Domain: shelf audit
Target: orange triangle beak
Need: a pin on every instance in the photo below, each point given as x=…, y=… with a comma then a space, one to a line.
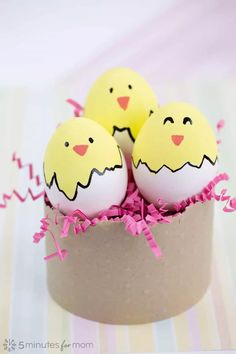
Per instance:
x=177, y=139
x=123, y=102
x=80, y=149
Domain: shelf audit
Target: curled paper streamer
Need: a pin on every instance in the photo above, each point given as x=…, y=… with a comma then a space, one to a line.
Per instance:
x=230, y=202
x=28, y=166
x=61, y=253
x=22, y=199
x=206, y=194
x=20, y=165
x=44, y=229
x=220, y=125
x=78, y=109
x=68, y=220
x=150, y=239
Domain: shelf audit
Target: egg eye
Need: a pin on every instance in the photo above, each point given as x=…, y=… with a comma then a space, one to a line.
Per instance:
x=130, y=87
x=91, y=140
x=111, y=90
x=187, y=120
x=151, y=112
x=66, y=144
x=168, y=119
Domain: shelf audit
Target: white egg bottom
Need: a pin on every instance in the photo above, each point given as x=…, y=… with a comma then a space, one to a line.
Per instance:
x=103, y=192
x=173, y=187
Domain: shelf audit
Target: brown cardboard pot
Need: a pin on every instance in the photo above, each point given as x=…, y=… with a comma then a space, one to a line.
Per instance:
x=111, y=277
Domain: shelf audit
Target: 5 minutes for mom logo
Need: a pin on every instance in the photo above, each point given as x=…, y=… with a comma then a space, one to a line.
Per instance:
x=9, y=345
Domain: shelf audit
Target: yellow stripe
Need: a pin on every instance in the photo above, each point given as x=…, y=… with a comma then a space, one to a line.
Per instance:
x=141, y=338
x=122, y=343
x=102, y=338
x=209, y=336
x=183, y=339
x=6, y=270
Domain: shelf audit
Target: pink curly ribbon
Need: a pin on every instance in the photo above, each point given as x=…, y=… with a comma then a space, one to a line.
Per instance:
x=136, y=215
x=220, y=125
x=20, y=165
x=61, y=253
x=29, y=166
x=68, y=220
x=150, y=239
x=44, y=229
x=206, y=194
x=230, y=204
x=78, y=109
x=7, y=197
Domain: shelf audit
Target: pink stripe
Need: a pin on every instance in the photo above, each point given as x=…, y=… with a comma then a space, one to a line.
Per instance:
x=84, y=331
x=111, y=338
x=194, y=329
x=219, y=307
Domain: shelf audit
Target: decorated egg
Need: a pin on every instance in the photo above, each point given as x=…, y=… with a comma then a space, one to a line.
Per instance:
x=121, y=101
x=175, y=154
x=84, y=168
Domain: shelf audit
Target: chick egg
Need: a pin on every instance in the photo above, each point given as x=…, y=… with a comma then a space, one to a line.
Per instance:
x=175, y=154
x=84, y=168
x=121, y=101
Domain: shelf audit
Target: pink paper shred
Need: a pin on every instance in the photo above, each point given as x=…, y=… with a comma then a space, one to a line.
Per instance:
x=220, y=125
x=135, y=213
x=78, y=109
x=20, y=165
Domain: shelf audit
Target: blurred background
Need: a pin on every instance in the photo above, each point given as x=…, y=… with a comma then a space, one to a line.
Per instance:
x=53, y=50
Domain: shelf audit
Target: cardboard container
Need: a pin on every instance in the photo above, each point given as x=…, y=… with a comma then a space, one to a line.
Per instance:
x=112, y=277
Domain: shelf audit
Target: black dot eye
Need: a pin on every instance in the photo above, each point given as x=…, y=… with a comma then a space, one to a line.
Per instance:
x=151, y=112
x=130, y=87
x=168, y=119
x=187, y=120
x=111, y=90
x=91, y=140
x=66, y=144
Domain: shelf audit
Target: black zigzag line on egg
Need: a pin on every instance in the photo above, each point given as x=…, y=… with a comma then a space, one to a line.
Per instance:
x=115, y=128
x=178, y=169
x=84, y=186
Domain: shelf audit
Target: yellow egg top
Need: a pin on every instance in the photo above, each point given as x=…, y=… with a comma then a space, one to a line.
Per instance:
x=173, y=136
x=120, y=99
x=78, y=148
